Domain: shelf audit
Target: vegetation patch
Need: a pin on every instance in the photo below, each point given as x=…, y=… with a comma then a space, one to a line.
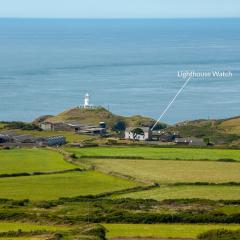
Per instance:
x=158, y=153
x=31, y=160
x=220, y=234
x=215, y=192
x=169, y=171
x=162, y=230
x=45, y=187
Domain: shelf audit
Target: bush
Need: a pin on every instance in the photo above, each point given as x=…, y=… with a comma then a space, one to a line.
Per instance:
x=220, y=234
x=119, y=126
x=22, y=125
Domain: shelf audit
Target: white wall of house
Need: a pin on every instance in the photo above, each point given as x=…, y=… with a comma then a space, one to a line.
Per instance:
x=130, y=135
x=46, y=126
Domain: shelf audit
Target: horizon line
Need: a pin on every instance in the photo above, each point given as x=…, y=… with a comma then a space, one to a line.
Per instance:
x=120, y=18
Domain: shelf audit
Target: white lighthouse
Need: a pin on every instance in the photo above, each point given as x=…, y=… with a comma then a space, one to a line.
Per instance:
x=86, y=103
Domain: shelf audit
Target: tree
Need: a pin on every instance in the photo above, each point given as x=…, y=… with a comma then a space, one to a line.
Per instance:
x=119, y=126
x=136, y=132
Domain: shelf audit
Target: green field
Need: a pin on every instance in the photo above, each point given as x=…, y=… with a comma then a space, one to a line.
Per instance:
x=183, y=192
x=27, y=227
x=170, y=171
x=159, y=153
x=162, y=230
x=31, y=160
x=46, y=187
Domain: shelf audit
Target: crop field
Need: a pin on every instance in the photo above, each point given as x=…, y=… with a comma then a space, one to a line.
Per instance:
x=159, y=153
x=31, y=160
x=170, y=171
x=47, y=187
x=186, y=192
x=163, y=230
x=27, y=227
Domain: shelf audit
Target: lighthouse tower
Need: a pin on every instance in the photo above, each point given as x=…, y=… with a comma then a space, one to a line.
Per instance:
x=86, y=101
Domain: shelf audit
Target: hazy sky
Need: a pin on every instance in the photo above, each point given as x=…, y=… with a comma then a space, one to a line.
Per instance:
x=119, y=8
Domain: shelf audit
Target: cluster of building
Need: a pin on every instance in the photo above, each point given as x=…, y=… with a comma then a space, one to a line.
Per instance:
x=133, y=133
x=146, y=134
x=74, y=126
x=13, y=139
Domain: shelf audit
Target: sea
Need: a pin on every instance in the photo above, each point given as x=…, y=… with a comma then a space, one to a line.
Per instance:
x=129, y=66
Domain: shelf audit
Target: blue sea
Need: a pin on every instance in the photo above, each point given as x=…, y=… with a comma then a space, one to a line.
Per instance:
x=130, y=66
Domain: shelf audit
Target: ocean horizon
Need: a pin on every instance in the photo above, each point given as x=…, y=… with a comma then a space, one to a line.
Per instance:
x=127, y=65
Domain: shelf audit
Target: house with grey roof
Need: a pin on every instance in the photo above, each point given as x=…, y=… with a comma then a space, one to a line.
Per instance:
x=138, y=133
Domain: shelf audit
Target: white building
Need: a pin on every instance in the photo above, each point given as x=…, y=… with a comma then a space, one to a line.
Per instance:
x=138, y=133
x=86, y=103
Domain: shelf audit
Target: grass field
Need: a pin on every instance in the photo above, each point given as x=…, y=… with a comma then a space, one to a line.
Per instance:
x=27, y=227
x=170, y=171
x=162, y=230
x=46, y=187
x=182, y=192
x=159, y=153
x=30, y=160
x=70, y=136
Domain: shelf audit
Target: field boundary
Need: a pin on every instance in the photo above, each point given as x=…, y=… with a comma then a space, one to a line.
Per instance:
x=228, y=160
x=25, y=174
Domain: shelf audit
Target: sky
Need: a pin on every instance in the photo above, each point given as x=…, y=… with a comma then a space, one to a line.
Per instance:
x=120, y=8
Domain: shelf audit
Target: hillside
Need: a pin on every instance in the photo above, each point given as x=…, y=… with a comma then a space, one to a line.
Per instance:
x=222, y=131
x=218, y=131
x=94, y=116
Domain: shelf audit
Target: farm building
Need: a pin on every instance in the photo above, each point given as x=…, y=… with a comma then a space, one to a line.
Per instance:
x=74, y=126
x=4, y=138
x=164, y=136
x=61, y=126
x=190, y=141
x=93, y=131
x=138, y=133
x=52, y=141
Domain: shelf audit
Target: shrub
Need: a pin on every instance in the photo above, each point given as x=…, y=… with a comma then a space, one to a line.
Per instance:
x=22, y=125
x=119, y=126
x=220, y=234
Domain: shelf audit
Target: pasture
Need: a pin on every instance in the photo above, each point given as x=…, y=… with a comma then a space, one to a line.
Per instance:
x=27, y=227
x=163, y=230
x=48, y=187
x=170, y=171
x=31, y=160
x=158, y=153
x=184, y=192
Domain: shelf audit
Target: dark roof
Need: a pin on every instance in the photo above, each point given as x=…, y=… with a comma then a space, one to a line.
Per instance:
x=145, y=129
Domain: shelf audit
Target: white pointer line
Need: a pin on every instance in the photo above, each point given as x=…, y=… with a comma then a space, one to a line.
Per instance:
x=170, y=104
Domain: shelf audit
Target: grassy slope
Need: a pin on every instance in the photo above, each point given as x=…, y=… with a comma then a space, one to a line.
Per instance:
x=2, y=125
x=184, y=192
x=171, y=171
x=162, y=230
x=219, y=131
x=46, y=187
x=231, y=126
x=160, y=153
x=94, y=116
x=30, y=160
